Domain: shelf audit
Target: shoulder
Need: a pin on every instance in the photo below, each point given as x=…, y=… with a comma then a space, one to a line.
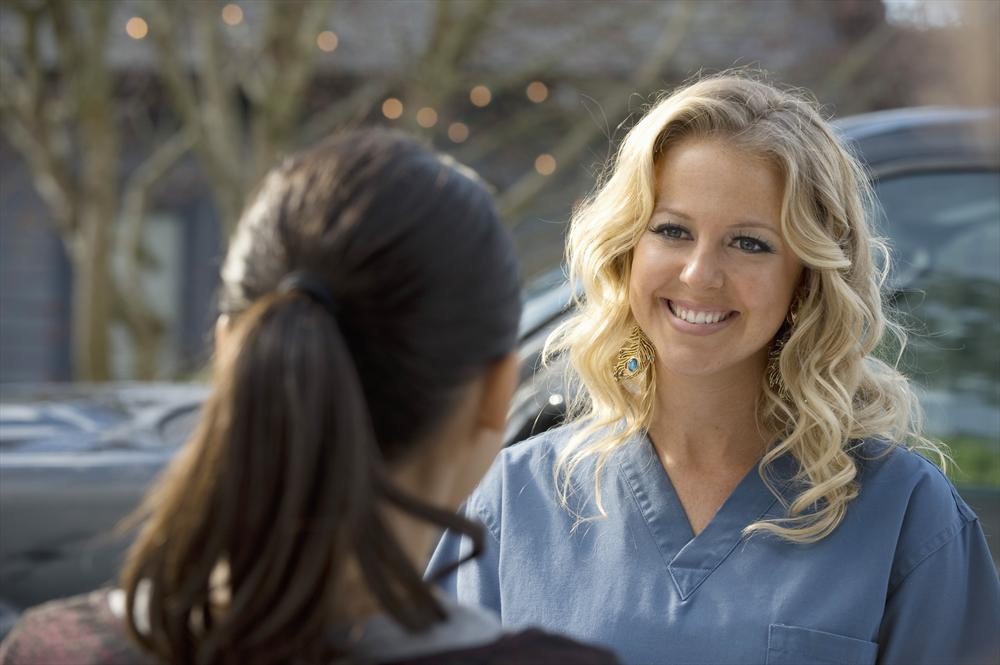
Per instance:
x=523, y=473
x=80, y=629
x=529, y=646
x=895, y=474
x=530, y=461
x=899, y=485
x=539, y=450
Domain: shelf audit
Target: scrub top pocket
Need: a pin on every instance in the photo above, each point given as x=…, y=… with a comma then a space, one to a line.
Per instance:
x=792, y=645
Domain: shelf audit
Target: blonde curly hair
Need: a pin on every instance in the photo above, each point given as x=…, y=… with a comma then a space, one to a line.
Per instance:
x=836, y=392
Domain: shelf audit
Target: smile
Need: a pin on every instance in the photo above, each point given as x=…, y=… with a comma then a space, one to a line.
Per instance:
x=691, y=318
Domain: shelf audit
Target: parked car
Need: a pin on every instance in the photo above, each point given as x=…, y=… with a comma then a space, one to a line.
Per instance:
x=74, y=460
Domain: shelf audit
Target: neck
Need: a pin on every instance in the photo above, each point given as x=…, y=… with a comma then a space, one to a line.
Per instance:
x=709, y=420
x=415, y=538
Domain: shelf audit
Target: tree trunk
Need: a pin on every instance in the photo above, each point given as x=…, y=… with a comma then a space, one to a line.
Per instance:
x=91, y=303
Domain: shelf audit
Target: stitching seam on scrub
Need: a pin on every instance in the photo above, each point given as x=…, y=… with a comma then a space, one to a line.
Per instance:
x=638, y=504
x=485, y=517
x=707, y=572
x=933, y=546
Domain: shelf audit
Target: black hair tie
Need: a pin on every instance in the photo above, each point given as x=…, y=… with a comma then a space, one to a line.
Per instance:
x=312, y=286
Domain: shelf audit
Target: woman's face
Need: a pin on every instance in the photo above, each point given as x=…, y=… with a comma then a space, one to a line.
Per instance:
x=712, y=277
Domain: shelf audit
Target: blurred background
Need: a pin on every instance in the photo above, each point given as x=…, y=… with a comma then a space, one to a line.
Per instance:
x=132, y=130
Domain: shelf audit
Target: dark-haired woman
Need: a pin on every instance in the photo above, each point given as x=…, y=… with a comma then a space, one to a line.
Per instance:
x=361, y=382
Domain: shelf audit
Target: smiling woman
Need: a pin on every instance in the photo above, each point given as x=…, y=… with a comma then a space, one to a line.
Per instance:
x=754, y=476
x=712, y=277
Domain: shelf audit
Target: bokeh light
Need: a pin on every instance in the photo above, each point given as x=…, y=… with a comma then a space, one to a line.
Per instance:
x=545, y=164
x=392, y=108
x=232, y=14
x=537, y=92
x=327, y=41
x=480, y=96
x=136, y=28
x=427, y=117
x=458, y=131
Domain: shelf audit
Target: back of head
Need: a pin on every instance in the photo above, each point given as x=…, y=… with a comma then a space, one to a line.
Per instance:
x=368, y=281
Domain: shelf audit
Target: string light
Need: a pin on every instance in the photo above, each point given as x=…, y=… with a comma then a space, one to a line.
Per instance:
x=327, y=41
x=136, y=28
x=232, y=14
x=458, y=131
x=537, y=92
x=392, y=108
x=480, y=96
x=545, y=164
x=427, y=117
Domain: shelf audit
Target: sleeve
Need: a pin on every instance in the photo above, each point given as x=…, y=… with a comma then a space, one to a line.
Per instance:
x=946, y=608
x=475, y=582
x=76, y=630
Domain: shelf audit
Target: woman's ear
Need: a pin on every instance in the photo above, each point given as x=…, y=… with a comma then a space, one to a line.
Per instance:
x=499, y=384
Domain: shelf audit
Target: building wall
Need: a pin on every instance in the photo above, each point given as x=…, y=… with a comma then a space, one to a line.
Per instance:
x=34, y=283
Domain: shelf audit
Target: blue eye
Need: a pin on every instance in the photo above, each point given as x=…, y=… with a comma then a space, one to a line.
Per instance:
x=752, y=245
x=671, y=231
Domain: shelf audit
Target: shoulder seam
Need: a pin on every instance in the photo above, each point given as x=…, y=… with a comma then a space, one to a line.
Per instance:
x=486, y=518
x=932, y=547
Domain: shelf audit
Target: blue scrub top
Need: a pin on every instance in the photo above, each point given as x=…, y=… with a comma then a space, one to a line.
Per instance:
x=905, y=578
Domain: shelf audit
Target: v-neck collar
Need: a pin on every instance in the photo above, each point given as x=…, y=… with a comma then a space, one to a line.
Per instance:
x=691, y=559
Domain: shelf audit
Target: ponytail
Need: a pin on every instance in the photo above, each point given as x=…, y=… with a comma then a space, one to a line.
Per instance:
x=278, y=490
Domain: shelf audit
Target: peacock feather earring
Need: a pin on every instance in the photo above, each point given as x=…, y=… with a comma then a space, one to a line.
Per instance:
x=774, y=353
x=774, y=360
x=635, y=355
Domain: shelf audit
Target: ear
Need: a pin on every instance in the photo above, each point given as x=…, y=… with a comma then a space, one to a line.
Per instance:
x=499, y=384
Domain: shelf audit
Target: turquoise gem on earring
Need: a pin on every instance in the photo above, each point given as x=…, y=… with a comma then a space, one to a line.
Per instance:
x=632, y=365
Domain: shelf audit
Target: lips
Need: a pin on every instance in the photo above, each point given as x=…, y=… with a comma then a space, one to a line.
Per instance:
x=695, y=315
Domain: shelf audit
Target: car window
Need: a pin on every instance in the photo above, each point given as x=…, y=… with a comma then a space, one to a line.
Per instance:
x=945, y=231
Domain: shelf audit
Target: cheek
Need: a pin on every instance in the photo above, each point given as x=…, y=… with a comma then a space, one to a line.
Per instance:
x=645, y=277
x=650, y=267
x=773, y=298
x=766, y=293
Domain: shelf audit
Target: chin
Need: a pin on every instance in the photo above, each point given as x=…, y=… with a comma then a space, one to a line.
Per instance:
x=693, y=366
x=696, y=364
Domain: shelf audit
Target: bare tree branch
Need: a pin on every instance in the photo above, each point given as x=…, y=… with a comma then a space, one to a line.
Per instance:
x=164, y=30
x=136, y=194
x=436, y=74
x=513, y=201
x=855, y=61
x=290, y=63
x=26, y=122
x=210, y=109
x=351, y=109
x=146, y=327
x=221, y=119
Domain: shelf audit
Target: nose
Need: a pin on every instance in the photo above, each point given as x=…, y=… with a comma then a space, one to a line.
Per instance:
x=703, y=269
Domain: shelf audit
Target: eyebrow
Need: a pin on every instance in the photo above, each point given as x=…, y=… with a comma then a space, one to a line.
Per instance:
x=743, y=223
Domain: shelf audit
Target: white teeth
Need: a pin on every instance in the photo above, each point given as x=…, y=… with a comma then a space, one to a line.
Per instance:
x=699, y=317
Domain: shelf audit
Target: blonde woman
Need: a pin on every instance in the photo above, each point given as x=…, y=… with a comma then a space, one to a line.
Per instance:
x=738, y=482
